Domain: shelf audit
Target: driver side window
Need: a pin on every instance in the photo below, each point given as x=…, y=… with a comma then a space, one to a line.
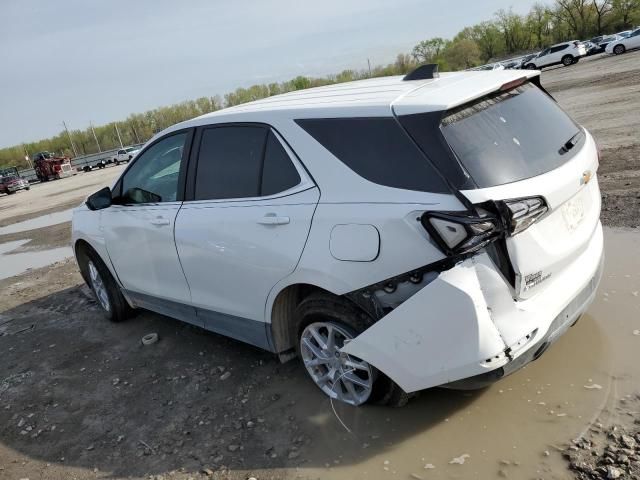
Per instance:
x=153, y=178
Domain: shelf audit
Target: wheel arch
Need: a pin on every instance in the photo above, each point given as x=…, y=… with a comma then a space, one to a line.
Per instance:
x=281, y=316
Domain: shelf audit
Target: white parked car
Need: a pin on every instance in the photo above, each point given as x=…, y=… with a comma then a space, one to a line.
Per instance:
x=622, y=44
x=566, y=53
x=394, y=234
x=126, y=154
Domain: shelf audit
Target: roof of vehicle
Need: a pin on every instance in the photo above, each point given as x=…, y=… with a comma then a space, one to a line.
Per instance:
x=371, y=97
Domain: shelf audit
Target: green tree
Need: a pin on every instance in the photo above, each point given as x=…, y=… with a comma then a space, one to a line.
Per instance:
x=461, y=54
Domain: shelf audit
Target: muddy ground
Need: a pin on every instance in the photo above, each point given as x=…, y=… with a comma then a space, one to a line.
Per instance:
x=82, y=398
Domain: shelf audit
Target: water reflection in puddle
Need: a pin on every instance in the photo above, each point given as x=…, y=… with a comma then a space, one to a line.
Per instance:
x=38, y=222
x=16, y=263
x=514, y=425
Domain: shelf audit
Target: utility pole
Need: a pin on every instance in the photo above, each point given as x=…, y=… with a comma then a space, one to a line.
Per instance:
x=369, y=63
x=135, y=133
x=73, y=147
x=118, y=132
x=95, y=138
x=26, y=156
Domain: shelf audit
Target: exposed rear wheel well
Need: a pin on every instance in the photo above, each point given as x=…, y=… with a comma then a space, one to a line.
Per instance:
x=283, y=327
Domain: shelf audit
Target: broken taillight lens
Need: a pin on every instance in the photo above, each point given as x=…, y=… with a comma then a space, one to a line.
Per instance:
x=460, y=233
x=524, y=212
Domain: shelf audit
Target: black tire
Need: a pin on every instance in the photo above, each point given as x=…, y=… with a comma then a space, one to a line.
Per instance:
x=530, y=66
x=337, y=310
x=567, y=60
x=619, y=49
x=10, y=192
x=119, y=308
x=576, y=60
x=27, y=188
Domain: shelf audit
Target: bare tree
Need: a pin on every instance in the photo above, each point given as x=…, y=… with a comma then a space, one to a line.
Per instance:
x=602, y=9
x=577, y=15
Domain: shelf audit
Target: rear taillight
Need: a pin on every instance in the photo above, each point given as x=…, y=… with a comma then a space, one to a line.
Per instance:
x=459, y=233
x=524, y=212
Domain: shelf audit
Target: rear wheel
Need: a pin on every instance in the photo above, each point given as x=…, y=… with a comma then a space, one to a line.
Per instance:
x=530, y=66
x=567, y=60
x=107, y=292
x=325, y=324
x=619, y=49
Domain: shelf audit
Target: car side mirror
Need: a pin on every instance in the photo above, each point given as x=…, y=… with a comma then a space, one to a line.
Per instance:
x=99, y=200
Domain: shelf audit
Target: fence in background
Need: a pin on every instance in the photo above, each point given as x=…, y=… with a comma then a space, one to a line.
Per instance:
x=77, y=163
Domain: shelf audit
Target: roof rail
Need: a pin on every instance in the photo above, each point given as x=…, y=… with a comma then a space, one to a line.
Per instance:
x=423, y=72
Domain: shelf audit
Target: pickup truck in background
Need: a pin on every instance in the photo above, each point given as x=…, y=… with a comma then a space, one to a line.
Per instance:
x=125, y=154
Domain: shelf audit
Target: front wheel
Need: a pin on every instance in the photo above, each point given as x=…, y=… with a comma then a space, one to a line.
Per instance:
x=567, y=60
x=619, y=49
x=530, y=66
x=27, y=188
x=107, y=292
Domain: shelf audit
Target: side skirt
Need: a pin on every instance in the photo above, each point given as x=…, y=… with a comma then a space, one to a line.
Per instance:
x=249, y=331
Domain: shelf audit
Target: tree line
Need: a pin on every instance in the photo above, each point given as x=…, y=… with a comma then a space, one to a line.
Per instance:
x=506, y=34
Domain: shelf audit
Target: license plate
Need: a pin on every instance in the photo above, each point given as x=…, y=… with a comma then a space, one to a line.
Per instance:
x=573, y=213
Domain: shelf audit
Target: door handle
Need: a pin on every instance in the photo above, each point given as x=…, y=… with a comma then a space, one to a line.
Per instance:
x=273, y=219
x=160, y=222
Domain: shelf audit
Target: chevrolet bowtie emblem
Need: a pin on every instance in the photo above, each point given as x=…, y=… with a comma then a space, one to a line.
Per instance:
x=586, y=176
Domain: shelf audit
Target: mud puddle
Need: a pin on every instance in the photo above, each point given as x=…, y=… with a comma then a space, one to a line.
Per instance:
x=16, y=263
x=515, y=428
x=38, y=222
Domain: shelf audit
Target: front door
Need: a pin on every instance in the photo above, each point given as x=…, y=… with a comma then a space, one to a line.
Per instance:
x=139, y=228
x=245, y=228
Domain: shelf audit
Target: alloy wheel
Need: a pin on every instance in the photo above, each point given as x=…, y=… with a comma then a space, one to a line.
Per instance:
x=339, y=375
x=99, y=288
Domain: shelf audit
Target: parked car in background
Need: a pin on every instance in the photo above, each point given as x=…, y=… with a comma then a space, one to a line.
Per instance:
x=125, y=154
x=592, y=48
x=525, y=60
x=602, y=45
x=566, y=53
x=423, y=263
x=622, y=44
x=10, y=184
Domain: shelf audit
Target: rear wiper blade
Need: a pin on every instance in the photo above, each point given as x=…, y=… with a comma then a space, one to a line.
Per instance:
x=572, y=142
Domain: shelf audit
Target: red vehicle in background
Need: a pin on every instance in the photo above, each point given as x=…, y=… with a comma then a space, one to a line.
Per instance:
x=49, y=167
x=11, y=181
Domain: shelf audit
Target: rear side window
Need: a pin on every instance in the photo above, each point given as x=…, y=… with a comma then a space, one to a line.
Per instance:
x=378, y=150
x=558, y=48
x=278, y=174
x=242, y=161
x=230, y=162
x=511, y=136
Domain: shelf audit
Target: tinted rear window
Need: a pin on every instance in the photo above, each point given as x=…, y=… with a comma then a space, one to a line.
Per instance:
x=511, y=136
x=278, y=173
x=230, y=162
x=377, y=149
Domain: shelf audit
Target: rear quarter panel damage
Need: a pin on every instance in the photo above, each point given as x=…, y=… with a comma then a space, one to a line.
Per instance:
x=439, y=335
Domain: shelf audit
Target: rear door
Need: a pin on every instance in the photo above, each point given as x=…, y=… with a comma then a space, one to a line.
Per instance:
x=244, y=225
x=138, y=229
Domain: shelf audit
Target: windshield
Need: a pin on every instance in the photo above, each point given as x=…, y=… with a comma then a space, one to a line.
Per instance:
x=9, y=178
x=510, y=136
x=131, y=149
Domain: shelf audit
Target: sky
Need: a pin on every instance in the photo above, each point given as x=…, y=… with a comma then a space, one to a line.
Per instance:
x=100, y=60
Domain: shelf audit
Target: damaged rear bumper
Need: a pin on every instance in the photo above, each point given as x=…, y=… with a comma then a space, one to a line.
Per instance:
x=465, y=330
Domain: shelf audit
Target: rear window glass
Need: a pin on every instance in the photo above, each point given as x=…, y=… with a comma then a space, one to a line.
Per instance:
x=511, y=136
x=377, y=149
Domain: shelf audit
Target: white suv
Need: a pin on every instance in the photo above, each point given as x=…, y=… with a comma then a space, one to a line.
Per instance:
x=395, y=234
x=566, y=53
x=126, y=154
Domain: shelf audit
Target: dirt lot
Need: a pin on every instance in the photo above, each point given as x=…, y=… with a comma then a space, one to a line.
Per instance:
x=82, y=398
